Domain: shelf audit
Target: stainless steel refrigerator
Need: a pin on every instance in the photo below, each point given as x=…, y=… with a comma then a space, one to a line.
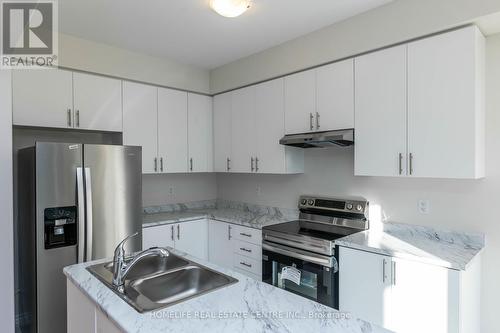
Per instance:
x=76, y=202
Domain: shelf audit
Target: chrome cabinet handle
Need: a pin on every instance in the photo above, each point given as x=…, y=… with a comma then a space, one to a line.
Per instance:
x=311, y=127
x=246, y=235
x=411, y=163
x=256, y=164
x=191, y=164
x=317, y=120
x=400, y=163
x=178, y=231
x=384, y=271
x=172, y=232
x=229, y=232
x=77, y=120
x=394, y=273
x=251, y=164
x=161, y=164
x=245, y=264
x=156, y=164
x=69, y=117
x=227, y=164
x=246, y=250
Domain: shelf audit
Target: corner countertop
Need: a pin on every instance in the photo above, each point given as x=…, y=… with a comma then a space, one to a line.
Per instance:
x=446, y=248
x=247, y=306
x=252, y=216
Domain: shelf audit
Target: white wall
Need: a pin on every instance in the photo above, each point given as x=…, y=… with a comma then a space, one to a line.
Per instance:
x=185, y=188
x=392, y=23
x=466, y=205
x=95, y=57
x=6, y=204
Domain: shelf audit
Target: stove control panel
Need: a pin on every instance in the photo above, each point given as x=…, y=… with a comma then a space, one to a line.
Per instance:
x=348, y=205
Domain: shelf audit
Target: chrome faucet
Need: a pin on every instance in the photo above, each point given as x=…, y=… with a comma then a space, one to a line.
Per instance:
x=121, y=269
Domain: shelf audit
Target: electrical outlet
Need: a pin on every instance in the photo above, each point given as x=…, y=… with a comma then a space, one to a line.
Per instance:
x=170, y=190
x=423, y=206
x=258, y=190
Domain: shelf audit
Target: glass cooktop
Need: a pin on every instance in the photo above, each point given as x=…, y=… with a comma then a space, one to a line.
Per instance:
x=312, y=229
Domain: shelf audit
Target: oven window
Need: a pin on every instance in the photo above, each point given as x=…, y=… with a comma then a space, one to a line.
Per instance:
x=317, y=283
x=308, y=286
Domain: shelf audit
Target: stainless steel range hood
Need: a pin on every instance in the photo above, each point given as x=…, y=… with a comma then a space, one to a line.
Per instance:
x=342, y=138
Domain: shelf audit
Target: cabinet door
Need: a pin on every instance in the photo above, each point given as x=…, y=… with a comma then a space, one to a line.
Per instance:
x=140, y=128
x=42, y=98
x=380, y=122
x=243, y=131
x=445, y=116
x=220, y=246
x=172, y=130
x=222, y=131
x=81, y=311
x=192, y=238
x=160, y=236
x=200, y=140
x=270, y=127
x=98, y=102
x=300, y=100
x=365, y=285
x=335, y=96
x=425, y=298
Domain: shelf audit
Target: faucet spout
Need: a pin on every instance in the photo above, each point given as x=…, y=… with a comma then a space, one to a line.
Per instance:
x=121, y=269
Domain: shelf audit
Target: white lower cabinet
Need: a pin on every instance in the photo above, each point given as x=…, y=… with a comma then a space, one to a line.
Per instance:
x=406, y=296
x=235, y=247
x=189, y=237
x=83, y=315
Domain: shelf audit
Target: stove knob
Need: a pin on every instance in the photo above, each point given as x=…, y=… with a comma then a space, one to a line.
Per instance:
x=349, y=206
x=310, y=202
x=359, y=208
x=303, y=201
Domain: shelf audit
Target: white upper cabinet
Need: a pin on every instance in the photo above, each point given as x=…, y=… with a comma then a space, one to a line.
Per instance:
x=140, y=121
x=270, y=127
x=380, y=128
x=300, y=102
x=243, y=130
x=42, y=98
x=200, y=133
x=335, y=96
x=420, y=108
x=97, y=102
x=222, y=132
x=445, y=105
x=172, y=131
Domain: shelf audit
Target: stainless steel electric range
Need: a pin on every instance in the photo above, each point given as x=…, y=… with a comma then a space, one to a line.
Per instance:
x=300, y=256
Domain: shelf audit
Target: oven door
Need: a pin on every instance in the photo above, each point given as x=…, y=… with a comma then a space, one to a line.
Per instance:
x=318, y=273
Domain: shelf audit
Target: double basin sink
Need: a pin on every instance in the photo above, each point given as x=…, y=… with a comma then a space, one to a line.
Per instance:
x=156, y=282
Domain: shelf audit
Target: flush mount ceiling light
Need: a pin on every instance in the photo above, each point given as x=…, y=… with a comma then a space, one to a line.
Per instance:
x=230, y=8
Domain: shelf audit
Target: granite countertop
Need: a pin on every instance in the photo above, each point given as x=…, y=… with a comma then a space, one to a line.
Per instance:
x=247, y=306
x=252, y=216
x=444, y=248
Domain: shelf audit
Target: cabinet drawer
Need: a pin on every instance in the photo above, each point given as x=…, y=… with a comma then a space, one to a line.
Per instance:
x=248, y=264
x=247, y=249
x=246, y=234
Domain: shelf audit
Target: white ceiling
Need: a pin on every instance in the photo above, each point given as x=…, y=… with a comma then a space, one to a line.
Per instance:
x=188, y=31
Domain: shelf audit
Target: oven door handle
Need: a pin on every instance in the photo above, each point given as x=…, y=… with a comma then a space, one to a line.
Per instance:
x=318, y=259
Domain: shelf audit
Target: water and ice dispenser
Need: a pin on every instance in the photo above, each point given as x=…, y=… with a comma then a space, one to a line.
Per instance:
x=60, y=226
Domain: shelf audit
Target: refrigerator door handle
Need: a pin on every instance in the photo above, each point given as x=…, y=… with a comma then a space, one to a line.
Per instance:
x=88, y=197
x=81, y=214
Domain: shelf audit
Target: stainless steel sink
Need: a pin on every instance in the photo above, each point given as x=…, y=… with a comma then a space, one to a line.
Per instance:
x=156, y=282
